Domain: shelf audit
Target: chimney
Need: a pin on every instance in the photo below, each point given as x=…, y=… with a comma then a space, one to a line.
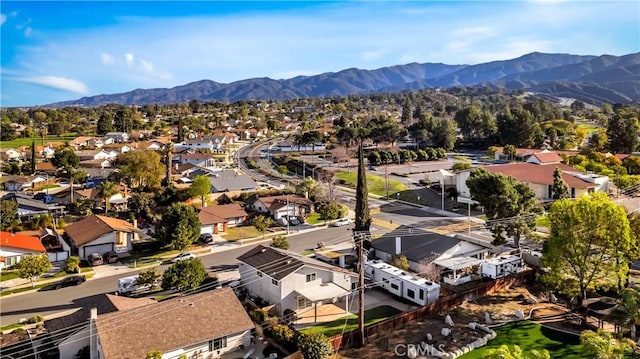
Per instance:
x=398, y=245
x=93, y=314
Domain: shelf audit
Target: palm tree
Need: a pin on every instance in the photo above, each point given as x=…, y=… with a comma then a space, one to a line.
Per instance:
x=514, y=352
x=107, y=189
x=627, y=312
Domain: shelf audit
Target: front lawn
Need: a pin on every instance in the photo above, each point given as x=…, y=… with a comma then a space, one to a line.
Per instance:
x=350, y=322
x=8, y=275
x=529, y=336
x=243, y=232
x=314, y=218
x=375, y=184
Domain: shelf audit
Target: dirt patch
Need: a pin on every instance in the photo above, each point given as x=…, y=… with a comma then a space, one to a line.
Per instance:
x=501, y=307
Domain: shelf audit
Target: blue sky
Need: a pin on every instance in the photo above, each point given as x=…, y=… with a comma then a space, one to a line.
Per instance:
x=54, y=51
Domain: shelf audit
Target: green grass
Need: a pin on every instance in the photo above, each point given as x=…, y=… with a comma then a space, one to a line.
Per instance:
x=243, y=232
x=375, y=184
x=543, y=221
x=530, y=336
x=18, y=142
x=11, y=326
x=336, y=327
x=314, y=218
x=8, y=275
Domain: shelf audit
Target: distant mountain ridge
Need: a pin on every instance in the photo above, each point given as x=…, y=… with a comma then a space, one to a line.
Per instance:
x=592, y=79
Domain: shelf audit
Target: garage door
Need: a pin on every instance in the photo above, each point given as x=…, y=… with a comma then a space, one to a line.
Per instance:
x=206, y=229
x=98, y=248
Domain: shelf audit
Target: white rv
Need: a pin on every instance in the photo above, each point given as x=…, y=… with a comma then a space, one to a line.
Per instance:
x=128, y=286
x=402, y=284
x=502, y=266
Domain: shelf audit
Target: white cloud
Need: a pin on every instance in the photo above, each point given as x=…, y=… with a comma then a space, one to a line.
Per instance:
x=106, y=59
x=57, y=82
x=475, y=31
x=128, y=57
x=146, y=66
x=28, y=31
x=3, y=19
x=373, y=55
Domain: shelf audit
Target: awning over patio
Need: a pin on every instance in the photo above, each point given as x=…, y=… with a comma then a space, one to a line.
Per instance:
x=456, y=263
x=321, y=292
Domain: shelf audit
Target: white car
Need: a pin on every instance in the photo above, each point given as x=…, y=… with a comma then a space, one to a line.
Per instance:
x=342, y=222
x=182, y=257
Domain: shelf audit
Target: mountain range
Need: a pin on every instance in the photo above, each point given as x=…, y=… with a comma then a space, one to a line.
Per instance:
x=592, y=79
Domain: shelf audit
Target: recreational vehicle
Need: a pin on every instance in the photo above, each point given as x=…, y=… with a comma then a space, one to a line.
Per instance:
x=402, y=284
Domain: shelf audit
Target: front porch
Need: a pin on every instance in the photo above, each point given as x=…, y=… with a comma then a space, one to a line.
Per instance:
x=458, y=270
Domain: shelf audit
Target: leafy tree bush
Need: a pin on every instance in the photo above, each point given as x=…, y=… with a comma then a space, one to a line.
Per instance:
x=8, y=215
x=72, y=264
x=261, y=223
x=154, y=354
x=179, y=226
x=330, y=211
x=149, y=276
x=280, y=242
x=283, y=335
x=33, y=266
x=184, y=275
x=460, y=166
x=258, y=315
x=35, y=319
x=314, y=346
x=401, y=262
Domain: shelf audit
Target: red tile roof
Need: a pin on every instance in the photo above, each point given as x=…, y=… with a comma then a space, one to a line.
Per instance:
x=220, y=213
x=539, y=174
x=23, y=242
x=547, y=157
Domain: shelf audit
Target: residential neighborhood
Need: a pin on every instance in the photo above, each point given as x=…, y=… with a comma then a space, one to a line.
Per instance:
x=244, y=230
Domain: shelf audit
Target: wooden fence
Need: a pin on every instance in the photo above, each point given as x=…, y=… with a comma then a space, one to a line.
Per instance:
x=352, y=338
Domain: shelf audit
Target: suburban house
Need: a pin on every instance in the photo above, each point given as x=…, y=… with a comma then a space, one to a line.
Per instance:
x=525, y=154
x=69, y=335
x=117, y=137
x=423, y=249
x=57, y=249
x=100, y=234
x=539, y=177
x=14, y=246
x=147, y=145
x=11, y=154
x=18, y=183
x=88, y=155
x=29, y=207
x=197, y=159
x=209, y=143
x=280, y=206
x=231, y=181
x=83, y=141
x=46, y=151
x=289, y=146
x=292, y=282
x=206, y=324
x=117, y=147
x=216, y=219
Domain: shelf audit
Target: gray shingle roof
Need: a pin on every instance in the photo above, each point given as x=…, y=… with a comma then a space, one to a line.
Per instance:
x=416, y=247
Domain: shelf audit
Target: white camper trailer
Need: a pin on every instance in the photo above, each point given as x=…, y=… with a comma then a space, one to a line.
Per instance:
x=502, y=266
x=402, y=284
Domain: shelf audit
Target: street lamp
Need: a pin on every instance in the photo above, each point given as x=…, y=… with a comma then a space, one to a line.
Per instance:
x=418, y=199
x=398, y=195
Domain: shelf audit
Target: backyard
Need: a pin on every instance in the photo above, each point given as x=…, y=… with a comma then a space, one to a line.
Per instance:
x=350, y=322
x=375, y=184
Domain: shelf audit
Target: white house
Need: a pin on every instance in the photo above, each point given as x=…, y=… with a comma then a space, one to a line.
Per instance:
x=214, y=323
x=292, y=282
x=15, y=246
x=117, y=136
x=218, y=218
x=280, y=206
x=539, y=177
x=88, y=155
x=100, y=234
x=210, y=143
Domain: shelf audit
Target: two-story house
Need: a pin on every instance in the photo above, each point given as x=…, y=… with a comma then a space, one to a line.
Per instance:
x=100, y=234
x=294, y=283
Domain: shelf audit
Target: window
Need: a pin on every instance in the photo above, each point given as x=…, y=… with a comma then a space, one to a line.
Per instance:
x=394, y=286
x=411, y=293
x=421, y=294
x=217, y=344
x=311, y=277
x=120, y=238
x=258, y=273
x=274, y=282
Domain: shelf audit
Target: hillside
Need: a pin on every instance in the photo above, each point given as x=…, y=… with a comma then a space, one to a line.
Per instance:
x=592, y=79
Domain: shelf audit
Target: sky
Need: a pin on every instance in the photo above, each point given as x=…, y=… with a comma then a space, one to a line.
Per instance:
x=56, y=51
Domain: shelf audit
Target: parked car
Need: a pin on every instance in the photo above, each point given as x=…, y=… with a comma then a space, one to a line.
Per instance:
x=95, y=259
x=206, y=238
x=182, y=257
x=294, y=221
x=69, y=281
x=342, y=222
x=111, y=257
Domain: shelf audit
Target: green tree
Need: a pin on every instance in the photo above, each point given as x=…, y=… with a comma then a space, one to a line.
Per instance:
x=154, y=354
x=510, y=205
x=314, y=345
x=587, y=244
x=622, y=132
x=627, y=312
x=559, y=190
x=201, y=187
x=514, y=352
x=7, y=132
x=332, y=210
x=123, y=120
x=184, y=275
x=363, y=217
x=148, y=277
x=311, y=189
x=140, y=169
x=72, y=264
x=8, y=215
x=632, y=164
x=33, y=266
x=280, y=242
x=179, y=226
x=65, y=159
x=509, y=150
x=33, y=156
x=261, y=223
x=107, y=189
x=104, y=124
x=140, y=204
x=443, y=134
x=603, y=345
x=283, y=170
